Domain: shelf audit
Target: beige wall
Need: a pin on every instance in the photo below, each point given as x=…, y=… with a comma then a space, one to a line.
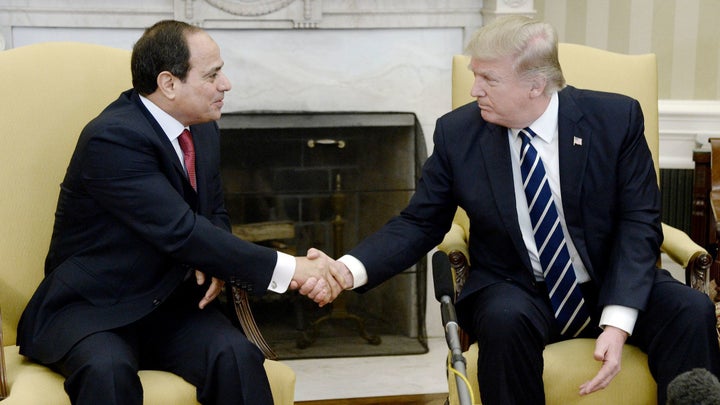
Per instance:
x=684, y=34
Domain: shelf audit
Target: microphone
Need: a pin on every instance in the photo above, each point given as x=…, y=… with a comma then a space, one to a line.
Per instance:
x=442, y=279
x=696, y=386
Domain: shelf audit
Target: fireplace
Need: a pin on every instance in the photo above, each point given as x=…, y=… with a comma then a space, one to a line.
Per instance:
x=326, y=180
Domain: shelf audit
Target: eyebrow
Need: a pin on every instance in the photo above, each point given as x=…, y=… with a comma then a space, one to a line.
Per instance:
x=490, y=74
x=213, y=70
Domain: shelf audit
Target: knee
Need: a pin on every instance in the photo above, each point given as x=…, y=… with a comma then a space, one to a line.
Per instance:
x=107, y=365
x=103, y=373
x=235, y=348
x=697, y=310
x=503, y=324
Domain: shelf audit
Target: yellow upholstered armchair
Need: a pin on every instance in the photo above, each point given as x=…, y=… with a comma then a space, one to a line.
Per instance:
x=48, y=92
x=568, y=364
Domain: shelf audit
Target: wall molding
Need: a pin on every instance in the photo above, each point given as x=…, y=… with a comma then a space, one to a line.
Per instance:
x=251, y=14
x=685, y=126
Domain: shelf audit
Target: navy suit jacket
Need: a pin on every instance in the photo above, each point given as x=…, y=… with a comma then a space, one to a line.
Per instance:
x=609, y=192
x=129, y=227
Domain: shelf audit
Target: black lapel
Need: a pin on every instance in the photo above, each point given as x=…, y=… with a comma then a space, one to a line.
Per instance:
x=167, y=146
x=188, y=192
x=574, y=143
x=498, y=163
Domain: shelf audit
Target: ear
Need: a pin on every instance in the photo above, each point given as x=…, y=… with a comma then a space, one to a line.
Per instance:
x=538, y=84
x=166, y=84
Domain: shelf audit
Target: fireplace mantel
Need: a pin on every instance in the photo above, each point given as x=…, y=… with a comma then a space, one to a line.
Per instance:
x=254, y=14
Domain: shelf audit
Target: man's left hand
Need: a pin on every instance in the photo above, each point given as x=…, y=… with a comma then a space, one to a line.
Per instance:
x=608, y=350
x=212, y=292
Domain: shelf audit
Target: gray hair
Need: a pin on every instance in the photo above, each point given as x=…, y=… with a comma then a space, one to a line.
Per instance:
x=532, y=44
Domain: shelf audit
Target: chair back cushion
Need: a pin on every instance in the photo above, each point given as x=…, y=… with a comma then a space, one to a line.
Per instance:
x=48, y=93
x=595, y=69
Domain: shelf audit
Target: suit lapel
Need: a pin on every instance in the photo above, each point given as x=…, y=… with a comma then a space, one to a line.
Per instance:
x=180, y=181
x=498, y=164
x=168, y=149
x=574, y=142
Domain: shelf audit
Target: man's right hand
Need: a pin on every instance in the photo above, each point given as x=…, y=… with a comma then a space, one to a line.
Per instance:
x=320, y=277
x=608, y=350
x=313, y=278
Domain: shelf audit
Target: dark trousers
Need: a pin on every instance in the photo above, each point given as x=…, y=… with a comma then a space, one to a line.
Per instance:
x=201, y=346
x=513, y=326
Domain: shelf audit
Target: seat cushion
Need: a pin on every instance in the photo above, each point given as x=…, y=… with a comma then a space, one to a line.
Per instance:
x=569, y=364
x=31, y=383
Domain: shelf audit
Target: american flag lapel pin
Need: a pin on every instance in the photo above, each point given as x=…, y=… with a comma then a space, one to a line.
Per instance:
x=577, y=141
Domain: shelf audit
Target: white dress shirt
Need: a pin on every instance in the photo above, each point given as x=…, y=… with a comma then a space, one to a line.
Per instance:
x=285, y=264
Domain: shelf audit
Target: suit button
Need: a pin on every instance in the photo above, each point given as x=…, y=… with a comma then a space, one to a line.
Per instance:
x=157, y=302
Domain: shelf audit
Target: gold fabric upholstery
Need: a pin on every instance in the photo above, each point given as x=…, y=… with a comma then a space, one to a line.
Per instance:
x=49, y=92
x=569, y=364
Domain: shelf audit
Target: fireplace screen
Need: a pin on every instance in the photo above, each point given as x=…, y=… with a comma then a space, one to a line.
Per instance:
x=299, y=180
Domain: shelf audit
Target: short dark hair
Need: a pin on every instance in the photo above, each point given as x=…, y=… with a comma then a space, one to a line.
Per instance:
x=162, y=47
x=695, y=387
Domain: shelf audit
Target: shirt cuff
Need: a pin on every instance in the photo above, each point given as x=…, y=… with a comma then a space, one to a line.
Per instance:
x=283, y=273
x=357, y=269
x=620, y=317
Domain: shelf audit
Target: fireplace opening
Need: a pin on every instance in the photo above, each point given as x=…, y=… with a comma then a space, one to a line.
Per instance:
x=326, y=180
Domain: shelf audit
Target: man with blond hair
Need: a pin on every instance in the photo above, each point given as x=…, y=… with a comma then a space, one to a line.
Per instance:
x=564, y=208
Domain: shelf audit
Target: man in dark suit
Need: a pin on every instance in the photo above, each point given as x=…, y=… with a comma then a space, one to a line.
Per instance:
x=607, y=217
x=137, y=230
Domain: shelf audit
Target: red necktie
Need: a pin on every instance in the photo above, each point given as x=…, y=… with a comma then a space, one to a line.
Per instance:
x=188, y=149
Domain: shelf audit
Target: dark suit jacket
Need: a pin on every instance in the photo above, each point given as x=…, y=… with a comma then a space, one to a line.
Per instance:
x=609, y=193
x=128, y=228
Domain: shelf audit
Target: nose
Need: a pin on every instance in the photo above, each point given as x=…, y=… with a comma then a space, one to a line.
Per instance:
x=478, y=87
x=224, y=83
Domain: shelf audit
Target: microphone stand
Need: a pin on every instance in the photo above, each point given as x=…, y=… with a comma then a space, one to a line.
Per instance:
x=456, y=356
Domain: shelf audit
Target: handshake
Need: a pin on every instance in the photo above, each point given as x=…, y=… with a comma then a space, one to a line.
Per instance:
x=319, y=277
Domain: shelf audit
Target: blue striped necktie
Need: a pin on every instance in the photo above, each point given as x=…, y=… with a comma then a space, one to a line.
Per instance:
x=570, y=310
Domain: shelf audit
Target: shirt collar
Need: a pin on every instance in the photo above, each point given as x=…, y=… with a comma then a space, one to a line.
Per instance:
x=172, y=127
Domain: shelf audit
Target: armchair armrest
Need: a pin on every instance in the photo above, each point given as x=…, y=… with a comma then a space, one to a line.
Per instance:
x=692, y=257
x=455, y=240
x=455, y=245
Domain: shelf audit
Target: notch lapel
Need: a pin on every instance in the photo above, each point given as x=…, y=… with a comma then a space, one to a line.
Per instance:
x=167, y=147
x=575, y=139
x=498, y=164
